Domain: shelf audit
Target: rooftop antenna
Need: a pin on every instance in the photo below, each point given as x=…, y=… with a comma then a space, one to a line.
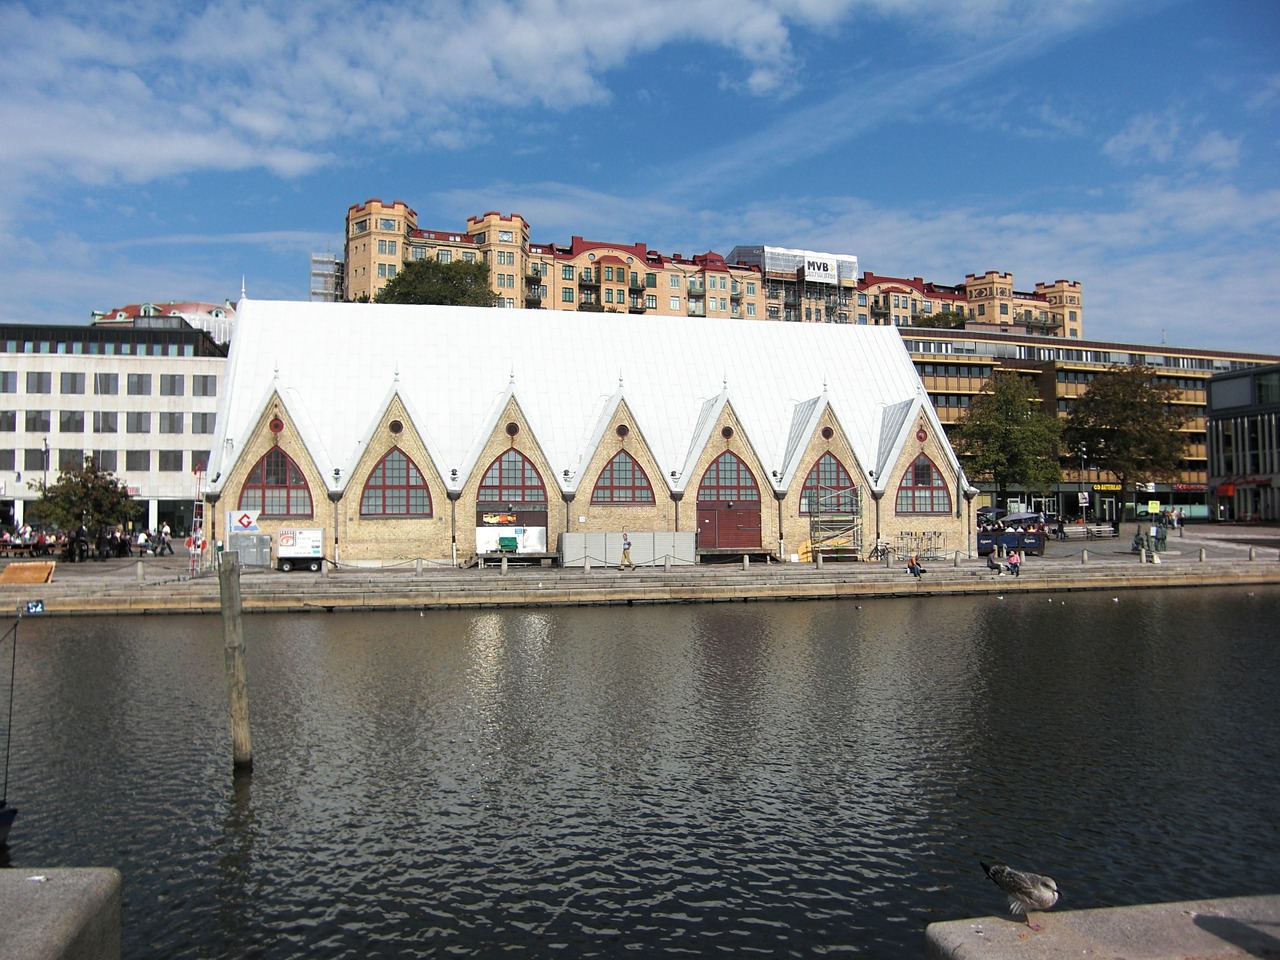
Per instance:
x=242, y=294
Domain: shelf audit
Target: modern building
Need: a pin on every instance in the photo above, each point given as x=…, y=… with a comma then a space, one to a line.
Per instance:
x=1244, y=444
x=326, y=278
x=427, y=433
x=954, y=366
x=142, y=400
x=218, y=320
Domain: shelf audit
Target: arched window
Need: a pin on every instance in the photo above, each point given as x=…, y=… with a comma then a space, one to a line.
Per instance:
x=922, y=489
x=622, y=481
x=276, y=487
x=396, y=488
x=728, y=479
x=829, y=488
x=513, y=479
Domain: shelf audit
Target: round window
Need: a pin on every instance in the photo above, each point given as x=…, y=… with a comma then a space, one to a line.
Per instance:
x=395, y=426
x=827, y=433
x=622, y=430
x=726, y=432
x=512, y=429
x=921, y=435
x=276, y=425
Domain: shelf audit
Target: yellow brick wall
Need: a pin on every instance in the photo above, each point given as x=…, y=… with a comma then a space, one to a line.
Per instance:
x=586, y=517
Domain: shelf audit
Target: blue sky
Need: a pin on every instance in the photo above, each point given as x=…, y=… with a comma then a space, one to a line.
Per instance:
x=161, y=150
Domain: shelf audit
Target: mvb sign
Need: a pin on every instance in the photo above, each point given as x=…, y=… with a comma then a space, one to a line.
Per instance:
x=820, y=270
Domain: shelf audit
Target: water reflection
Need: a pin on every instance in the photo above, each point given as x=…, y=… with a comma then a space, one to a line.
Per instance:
x=781, y=778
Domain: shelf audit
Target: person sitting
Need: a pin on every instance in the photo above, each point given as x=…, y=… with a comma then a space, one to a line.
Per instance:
x=914, y=568
x=993, y=564
x=1015, y=563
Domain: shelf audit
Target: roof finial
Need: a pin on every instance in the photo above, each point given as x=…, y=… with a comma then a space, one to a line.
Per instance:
x=242, y=286
x=512, y=380
x=397, y=374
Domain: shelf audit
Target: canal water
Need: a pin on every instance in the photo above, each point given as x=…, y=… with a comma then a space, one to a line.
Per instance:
x=773, y=780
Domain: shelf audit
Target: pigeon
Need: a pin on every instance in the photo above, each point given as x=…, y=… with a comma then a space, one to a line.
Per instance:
x=1026, y=891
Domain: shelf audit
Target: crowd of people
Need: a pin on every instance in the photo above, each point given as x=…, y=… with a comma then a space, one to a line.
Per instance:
x=82, y=544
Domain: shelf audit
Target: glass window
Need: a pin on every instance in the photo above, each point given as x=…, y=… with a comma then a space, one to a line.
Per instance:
x=8, y=459
x=39, y=382
x=137, y=460
x=728, y=478
x=829, y=488
x=444, y=256
x=674, y=303
x=513, y=479
x=276, y=487
x=922, y=489
x=33, y=459
x=622, y=481
x=106, y=460
x=566, y=294
x=38, y=421
x=72, y=383
x=203, y=422
x=199, y=459
x=8, y=421
x=139, y=384
x=204, y=385
x=396, y=488
x=8, y=381
x=171, y=423
x=106, y=384
x=170, y=461
x=104, y=421
x=566, y=271
x=69, y=460
x=172, y=385
x=71, y=421
x=137, y=422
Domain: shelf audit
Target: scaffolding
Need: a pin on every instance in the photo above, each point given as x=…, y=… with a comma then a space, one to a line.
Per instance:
x=927, y=544
x=835, y=524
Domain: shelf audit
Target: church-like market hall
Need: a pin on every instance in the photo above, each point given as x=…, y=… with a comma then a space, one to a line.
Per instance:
x=436, y=434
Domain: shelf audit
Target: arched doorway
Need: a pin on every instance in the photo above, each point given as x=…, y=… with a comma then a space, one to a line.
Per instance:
x=728, y=506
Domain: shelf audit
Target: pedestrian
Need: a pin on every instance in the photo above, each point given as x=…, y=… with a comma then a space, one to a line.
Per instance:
x=626, y=553
x=166, y=541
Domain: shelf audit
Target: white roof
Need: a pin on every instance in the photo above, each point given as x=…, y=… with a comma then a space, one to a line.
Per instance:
x=336, y=366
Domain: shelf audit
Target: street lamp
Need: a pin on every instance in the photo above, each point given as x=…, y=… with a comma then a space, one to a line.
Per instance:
x=46, y=462
x=1084, y=511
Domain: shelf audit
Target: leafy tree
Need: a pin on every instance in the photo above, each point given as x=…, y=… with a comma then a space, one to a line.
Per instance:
x=459, y=284
x=88, y=495
x=946, y=320
x=1005, y=438
x=1127, y=423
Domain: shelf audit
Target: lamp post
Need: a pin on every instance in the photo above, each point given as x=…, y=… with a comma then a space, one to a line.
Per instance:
x=46, y=462
x=1084, y=511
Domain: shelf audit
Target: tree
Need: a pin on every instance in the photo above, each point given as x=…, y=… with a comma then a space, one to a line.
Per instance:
x=458, y=284
x=1128, y=425
x=1005, y=438
x=88, y=495
x=946, y=320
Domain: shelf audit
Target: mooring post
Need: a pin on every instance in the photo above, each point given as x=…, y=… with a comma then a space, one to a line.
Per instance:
x=1202, y=554
x=233, y=650
x=1084, y=555
x=746, y=560
x=504, y=563
x=142, y=573
x=666, y=563
x=417, y=567
x=817, y=558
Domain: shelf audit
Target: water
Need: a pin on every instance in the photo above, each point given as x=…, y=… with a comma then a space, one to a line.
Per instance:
x=774, y=780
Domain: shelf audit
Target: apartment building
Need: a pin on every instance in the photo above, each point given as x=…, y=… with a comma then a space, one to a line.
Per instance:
x=218, y=320
x=141, y=399
x=1244, y=444
x=954, y=365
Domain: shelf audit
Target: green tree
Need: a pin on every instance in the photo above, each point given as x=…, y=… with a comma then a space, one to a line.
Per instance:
x=1005, y=439
x=946, y=320
x=458, y=284
x=88, y=495
x=1128, y=425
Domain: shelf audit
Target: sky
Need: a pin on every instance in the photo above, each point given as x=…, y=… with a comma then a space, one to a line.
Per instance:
x=177, y=150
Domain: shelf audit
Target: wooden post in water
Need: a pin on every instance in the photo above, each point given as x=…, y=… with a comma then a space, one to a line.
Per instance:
x=233, y=650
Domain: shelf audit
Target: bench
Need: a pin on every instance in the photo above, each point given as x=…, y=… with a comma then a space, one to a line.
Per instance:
x=1100, y=531
x=16, y=549
x=1075, y=531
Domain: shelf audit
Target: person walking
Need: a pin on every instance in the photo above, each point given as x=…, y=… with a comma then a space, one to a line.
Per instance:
x=166, y=541
x=626, y=553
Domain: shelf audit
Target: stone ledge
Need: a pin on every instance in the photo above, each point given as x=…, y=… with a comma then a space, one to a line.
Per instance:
x=1203, y=929
x=62, y=913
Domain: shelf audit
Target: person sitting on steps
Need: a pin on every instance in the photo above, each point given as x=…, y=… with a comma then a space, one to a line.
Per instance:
x=914, y=568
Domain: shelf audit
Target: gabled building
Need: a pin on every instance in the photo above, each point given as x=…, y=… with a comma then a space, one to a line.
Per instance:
x=409, y=432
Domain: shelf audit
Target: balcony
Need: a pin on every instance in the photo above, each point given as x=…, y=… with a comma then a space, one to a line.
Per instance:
x=636, y=306
x=697, y=308
x=1038, y=323
x=533, y=295
x=736, y=291
x=588, y=279
x=697, y=287
x=637, y=283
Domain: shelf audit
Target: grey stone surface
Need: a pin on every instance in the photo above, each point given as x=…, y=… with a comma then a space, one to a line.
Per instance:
x=62, y=913
x=1203, y=929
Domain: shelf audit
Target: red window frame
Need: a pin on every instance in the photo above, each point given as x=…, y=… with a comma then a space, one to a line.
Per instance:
x=829, y=479
x=623, y=481
x=930, y=497
x=513, y=479
x=405, y=489
x=273, y=477
x=728, y=478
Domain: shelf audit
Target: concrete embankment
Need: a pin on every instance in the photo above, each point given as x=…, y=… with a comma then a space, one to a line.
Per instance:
x=118, y=587
x=1203, y=929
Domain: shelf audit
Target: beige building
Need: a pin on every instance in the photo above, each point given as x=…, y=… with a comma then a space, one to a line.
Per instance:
x=584, y=275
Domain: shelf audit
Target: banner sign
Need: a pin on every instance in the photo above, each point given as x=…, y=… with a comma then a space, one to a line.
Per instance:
x=243, y=521
x=819, y=269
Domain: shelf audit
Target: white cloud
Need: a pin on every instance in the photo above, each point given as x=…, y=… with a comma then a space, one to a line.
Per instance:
x=1147, y=137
